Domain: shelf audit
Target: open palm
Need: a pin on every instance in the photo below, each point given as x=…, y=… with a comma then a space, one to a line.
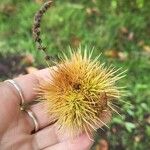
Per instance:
x=16, y=127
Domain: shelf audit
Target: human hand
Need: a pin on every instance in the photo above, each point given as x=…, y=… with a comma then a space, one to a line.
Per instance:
x=16, y=126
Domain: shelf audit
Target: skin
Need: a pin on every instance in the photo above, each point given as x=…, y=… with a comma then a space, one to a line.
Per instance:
x=16, y=127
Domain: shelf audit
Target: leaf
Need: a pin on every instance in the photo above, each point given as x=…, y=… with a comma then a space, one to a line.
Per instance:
x=148, y=130
x=91, y=11
x=146, y=48
x=131, y=36
x=75, y=41
x=124, y=30
x=28, y=59
x=122, y=56
x=111, y=53
x=102, y=145
x=130, y=112
x=114, y=130
x=117, y=120
x=39, y=1
x=147, y=119
x=140, y=43
x=129, y=126
x=94, y=1
x=8, y=9
x=138, y=138
x=31, y=69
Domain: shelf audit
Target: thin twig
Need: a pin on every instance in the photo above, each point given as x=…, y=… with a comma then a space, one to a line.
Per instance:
x=37, y=28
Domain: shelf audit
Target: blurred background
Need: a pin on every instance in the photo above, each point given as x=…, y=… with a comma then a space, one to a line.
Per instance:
x=119, y=29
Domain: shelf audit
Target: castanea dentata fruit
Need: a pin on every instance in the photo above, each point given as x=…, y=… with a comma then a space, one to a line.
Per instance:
x=80, y=89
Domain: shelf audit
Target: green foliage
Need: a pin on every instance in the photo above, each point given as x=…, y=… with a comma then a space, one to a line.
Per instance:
x=119, y=25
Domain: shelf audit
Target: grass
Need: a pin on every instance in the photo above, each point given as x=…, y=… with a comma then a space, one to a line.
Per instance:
x=110, y=28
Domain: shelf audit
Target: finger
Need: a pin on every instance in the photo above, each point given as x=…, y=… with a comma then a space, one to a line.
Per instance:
x=45, y=137
x=79, y=143
x=9, y=109
x=29, y=82
x=43, y=119
x=39, y=111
